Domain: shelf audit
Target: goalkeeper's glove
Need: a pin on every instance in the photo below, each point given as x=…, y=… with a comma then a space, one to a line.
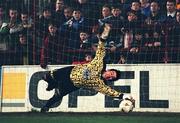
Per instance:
x=105, y=33
x=121, y=96
x=125, y=97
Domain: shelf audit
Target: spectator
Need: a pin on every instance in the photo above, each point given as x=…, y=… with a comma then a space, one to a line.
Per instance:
x=136, y=7
x=158, y=45
x=137, y=43
x=130, y=26
x=10, y=29
x=168, y=23
x=134, y=54
x=63, y=16
x=176, y=29
x=59, y=13
x=132, y=21
x=153, y=22
x=64, y=33
x=170, y=14
x=117, y=21
x=25, y=53
x=1, y=15
x=175, y=40
x=162, y=5
x=147, y=36
x=43, y=22
x=42, y=30
x=90, y=9
x=106, y=13
x=12, y=25
x=49, y=51
x=26, y=21
x=156, y=40
x=67, y=14
x=59, y=6
x=178, y=4
x=124, y=3
x=84, y=40
x=171, y=9
x=2, y=36
x=155, y=16
x=154, y=45
x=3, y=43
x=145, y=7
x=72, y=27
x=64, y=30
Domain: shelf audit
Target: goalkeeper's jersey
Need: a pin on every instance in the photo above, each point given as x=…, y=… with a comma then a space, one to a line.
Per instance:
x=89, y=75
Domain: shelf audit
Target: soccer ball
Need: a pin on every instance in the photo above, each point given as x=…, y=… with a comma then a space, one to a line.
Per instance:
x=126, y=106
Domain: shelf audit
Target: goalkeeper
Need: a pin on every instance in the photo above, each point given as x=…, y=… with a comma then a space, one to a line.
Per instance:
x=92, y=75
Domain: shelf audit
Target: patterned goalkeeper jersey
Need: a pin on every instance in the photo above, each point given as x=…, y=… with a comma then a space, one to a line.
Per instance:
x=89, y=75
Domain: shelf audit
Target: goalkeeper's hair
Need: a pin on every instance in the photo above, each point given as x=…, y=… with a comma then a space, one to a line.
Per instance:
x=117, y=73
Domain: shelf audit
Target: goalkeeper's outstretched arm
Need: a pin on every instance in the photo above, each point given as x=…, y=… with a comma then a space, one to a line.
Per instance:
x=101, y=51
x=107, y=90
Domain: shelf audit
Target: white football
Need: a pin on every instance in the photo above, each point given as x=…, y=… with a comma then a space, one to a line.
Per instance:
x=126, y=106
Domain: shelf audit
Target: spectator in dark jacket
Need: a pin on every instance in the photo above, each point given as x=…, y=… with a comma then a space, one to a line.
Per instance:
x=49, y=50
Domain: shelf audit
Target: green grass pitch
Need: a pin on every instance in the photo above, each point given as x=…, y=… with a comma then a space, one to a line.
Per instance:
x=89, y=118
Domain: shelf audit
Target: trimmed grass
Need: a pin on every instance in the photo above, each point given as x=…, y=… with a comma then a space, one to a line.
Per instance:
x=83, y=118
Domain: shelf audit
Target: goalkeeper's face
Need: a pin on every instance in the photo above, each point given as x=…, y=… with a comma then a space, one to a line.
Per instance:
x=109, y=75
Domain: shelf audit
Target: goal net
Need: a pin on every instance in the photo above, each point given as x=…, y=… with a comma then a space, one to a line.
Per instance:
x=65, y=32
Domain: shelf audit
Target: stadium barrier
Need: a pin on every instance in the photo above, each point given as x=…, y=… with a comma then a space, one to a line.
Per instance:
x=155, y=88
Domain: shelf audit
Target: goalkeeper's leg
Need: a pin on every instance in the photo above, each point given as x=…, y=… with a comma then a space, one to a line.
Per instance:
x=51, y=82
x=60, y=92
x=57, y=97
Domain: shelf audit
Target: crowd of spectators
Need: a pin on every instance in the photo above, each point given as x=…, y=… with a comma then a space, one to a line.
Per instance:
x=66, y=31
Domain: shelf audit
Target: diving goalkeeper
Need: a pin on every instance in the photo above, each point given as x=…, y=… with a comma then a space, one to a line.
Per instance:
x=92, y=75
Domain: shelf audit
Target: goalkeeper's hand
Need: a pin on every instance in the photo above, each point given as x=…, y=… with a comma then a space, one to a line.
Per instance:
x=106, y=30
